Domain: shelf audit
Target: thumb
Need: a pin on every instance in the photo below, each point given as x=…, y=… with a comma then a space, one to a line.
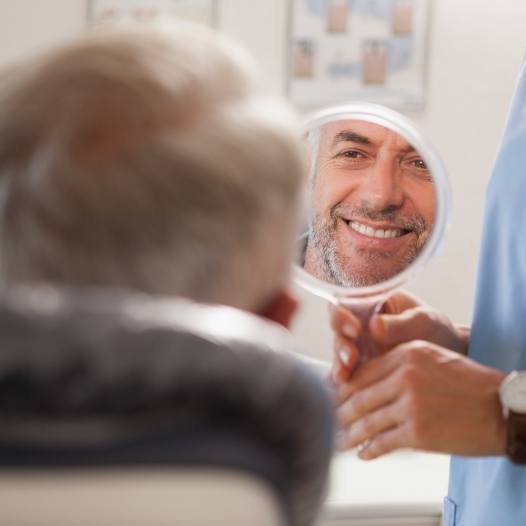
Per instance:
x=390, y=330
x=401, y=301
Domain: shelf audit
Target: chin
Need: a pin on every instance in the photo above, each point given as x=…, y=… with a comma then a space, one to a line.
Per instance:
x=367, y=278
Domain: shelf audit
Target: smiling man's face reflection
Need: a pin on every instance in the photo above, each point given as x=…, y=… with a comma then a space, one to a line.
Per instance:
x=373, y=204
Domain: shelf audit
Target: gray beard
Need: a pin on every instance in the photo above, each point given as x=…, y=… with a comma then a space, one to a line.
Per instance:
x=322, y=238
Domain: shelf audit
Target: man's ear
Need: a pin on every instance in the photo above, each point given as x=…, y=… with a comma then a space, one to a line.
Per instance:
x=281, y=309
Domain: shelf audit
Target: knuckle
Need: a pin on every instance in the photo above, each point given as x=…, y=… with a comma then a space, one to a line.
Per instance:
x=421, y=315
x=414, y=351
x=427, y=315
x=368, y=426
x=433, y=316
x=409, y=375
x=357, y=404
x=409, y=352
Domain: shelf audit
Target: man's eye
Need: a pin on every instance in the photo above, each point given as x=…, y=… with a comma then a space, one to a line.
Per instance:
x=417, y=167
x=415, y=163
x=419, y=163
x=352, y=154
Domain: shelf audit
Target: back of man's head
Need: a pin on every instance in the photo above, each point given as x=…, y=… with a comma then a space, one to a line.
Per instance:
x=147, y=161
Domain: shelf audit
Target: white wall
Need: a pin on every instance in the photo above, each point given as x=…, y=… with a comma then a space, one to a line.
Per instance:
x=28, y=25
x=475, y=52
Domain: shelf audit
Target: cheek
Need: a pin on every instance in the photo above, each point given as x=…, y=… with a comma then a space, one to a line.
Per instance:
x=424, y=202
x=331, y=188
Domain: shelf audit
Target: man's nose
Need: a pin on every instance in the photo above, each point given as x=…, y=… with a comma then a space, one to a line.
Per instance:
x=381, y=186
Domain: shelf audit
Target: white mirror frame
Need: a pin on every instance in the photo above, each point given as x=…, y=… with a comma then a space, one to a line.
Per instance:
x=396, y=122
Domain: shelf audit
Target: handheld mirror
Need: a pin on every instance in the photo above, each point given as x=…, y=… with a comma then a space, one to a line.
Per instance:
x=377, y=207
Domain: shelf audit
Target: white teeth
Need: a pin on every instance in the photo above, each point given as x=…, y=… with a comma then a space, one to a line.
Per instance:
x=371, y=232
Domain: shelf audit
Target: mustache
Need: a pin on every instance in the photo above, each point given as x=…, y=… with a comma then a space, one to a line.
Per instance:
x=414, y=222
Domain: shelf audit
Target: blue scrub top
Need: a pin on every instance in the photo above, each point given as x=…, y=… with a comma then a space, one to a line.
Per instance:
x=491, y=491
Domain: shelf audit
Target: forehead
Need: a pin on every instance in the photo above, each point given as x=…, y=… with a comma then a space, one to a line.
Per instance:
x=334, y=133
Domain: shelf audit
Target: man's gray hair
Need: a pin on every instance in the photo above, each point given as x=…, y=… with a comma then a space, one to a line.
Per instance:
x=149, y=161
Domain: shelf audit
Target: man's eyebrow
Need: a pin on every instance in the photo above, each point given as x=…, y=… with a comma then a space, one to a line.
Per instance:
x=409, y=149
x=350, y=136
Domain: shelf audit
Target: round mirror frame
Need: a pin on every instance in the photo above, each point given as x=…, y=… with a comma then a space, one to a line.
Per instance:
x=396, y=122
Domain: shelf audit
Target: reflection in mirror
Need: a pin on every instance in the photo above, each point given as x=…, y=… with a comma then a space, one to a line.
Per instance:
x=372, y=203
x=378, y=207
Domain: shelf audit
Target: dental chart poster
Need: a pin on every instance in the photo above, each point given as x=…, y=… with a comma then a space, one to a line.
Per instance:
x=358, y=50
x=103, y=11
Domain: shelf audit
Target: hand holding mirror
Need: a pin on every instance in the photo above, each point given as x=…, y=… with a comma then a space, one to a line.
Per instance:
x=378, y=202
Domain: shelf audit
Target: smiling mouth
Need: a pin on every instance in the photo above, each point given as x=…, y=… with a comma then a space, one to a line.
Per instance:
x=380, y=233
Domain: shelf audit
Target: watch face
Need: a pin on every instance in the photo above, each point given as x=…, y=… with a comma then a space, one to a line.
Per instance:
x=513, y=392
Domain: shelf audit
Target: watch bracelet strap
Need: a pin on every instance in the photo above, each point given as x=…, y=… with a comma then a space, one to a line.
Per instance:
x=516, y=441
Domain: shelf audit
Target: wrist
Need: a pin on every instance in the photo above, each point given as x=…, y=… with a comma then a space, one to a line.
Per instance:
x=498, y=429
x=512, y=394
x=463, y=336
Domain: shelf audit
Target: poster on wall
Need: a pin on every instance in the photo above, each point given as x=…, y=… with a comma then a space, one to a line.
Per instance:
x=104, y=11
x=349, y=50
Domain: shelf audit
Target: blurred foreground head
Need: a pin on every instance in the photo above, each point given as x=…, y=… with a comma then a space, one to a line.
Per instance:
x=147, y=161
